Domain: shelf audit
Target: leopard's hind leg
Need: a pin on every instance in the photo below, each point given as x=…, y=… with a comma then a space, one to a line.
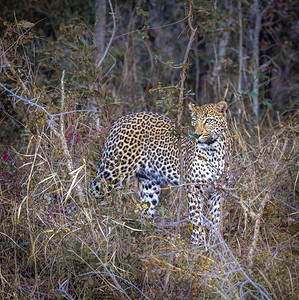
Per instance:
x=149, y=192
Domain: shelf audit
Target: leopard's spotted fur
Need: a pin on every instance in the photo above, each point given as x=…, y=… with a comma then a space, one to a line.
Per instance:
x=144, y=145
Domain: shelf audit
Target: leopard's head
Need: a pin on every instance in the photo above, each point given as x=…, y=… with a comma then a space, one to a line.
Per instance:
x=209, y=121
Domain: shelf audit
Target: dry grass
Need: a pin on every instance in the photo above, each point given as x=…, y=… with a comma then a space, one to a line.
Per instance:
x=58, y=242
x=102, y=249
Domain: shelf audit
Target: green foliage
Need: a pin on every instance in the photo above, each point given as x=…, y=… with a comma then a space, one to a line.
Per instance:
x=73, y=52
x=167, y=100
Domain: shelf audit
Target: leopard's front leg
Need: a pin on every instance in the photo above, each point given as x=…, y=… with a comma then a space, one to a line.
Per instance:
x=195, y=207
x=215, y=216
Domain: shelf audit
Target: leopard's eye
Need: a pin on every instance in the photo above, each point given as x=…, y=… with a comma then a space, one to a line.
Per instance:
x=207, y=121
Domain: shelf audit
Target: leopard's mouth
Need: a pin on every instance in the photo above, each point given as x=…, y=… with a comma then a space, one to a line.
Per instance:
x=194, y=136
x=210, y=139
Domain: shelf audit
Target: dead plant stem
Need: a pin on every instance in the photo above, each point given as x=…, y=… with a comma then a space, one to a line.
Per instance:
x=61, y=136
x=258, y=216
x=183, y=76
x=112, y=35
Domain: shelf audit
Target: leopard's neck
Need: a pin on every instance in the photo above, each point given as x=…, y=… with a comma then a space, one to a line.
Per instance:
x=213, y=153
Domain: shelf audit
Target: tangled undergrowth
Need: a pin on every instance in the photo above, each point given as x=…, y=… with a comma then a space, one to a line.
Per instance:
x=57, y=241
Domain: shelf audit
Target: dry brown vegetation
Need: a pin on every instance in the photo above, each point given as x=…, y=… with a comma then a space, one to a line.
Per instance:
x=103, y=248
x=58, y=242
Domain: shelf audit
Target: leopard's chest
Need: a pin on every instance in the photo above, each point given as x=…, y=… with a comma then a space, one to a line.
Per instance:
x=206, y=163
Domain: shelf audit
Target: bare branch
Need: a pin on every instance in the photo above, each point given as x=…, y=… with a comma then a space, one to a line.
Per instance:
x=61, y=135
x=112, y=35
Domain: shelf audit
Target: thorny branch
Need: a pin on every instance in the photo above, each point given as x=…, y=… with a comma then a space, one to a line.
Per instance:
x=183, y=76
x=185, y=66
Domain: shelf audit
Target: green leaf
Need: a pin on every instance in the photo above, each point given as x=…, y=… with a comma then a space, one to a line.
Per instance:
x=253, y=95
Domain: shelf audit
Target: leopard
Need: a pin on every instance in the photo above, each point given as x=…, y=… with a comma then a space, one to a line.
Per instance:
x=145, y=145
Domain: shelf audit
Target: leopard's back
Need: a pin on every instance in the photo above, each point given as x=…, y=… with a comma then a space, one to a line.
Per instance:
x=143, y=143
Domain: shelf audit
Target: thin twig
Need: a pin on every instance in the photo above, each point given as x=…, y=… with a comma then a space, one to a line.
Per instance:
x=183, y=75
x=258, y=216
x=112, y=276
x=125, y=280
x=31, y=103
x=185, y=66
x=158, y=27
x=61, y=135
x=112, y=35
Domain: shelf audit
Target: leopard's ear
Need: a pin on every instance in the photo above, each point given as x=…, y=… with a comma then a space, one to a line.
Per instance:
x=192, y=109
x=221, y=108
